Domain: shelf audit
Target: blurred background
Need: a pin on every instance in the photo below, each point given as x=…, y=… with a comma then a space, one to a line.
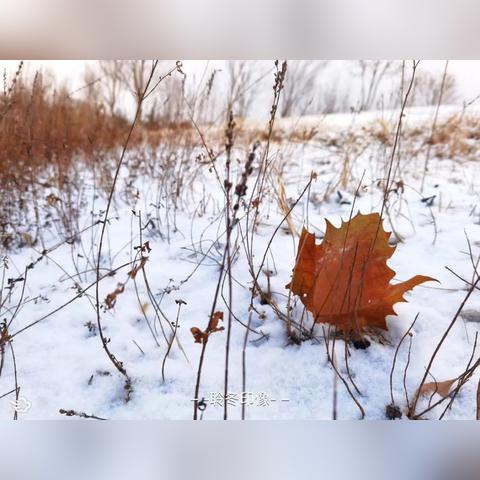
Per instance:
x=312, y=87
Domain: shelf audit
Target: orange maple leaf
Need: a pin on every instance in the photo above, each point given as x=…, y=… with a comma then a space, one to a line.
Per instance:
x=345, y=281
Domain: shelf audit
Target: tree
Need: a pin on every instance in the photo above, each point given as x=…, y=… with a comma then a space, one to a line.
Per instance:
x=428, y=87
x=371, y=74
x=300, y=85
x=112, y=74
x=241, y=86
x=330, y=98
x=134, y=76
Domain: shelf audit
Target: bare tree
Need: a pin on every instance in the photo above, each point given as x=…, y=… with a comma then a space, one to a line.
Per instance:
x=134, y=77
x=167, y=103
x=300, y=85
x=202, y=97
x=112, y=74
x=91, y=88
x=431, y=88
x=371, y=73
x=330, y=99
x=241, y=86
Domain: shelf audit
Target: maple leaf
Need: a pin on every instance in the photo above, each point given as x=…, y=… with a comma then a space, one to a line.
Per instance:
x=345, y=281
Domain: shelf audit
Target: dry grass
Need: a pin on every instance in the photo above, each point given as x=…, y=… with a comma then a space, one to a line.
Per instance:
x=49, y=140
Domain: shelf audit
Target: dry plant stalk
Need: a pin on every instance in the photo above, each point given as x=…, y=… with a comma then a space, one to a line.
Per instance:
x=412, y=409
x=284, y=207
x=115, y=362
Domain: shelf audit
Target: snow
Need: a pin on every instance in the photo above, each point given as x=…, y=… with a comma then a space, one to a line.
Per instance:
x=61, y=364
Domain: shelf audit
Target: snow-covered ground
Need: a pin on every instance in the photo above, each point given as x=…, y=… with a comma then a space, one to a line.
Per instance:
x=60, y=361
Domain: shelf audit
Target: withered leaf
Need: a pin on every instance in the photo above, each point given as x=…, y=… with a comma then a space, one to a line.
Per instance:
x=345, y=281
x=213, y=324
x=111, y=298
x=442, y=388
x=52, y=199
x=202, y=337
x=133, y=273
x=198, y=335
